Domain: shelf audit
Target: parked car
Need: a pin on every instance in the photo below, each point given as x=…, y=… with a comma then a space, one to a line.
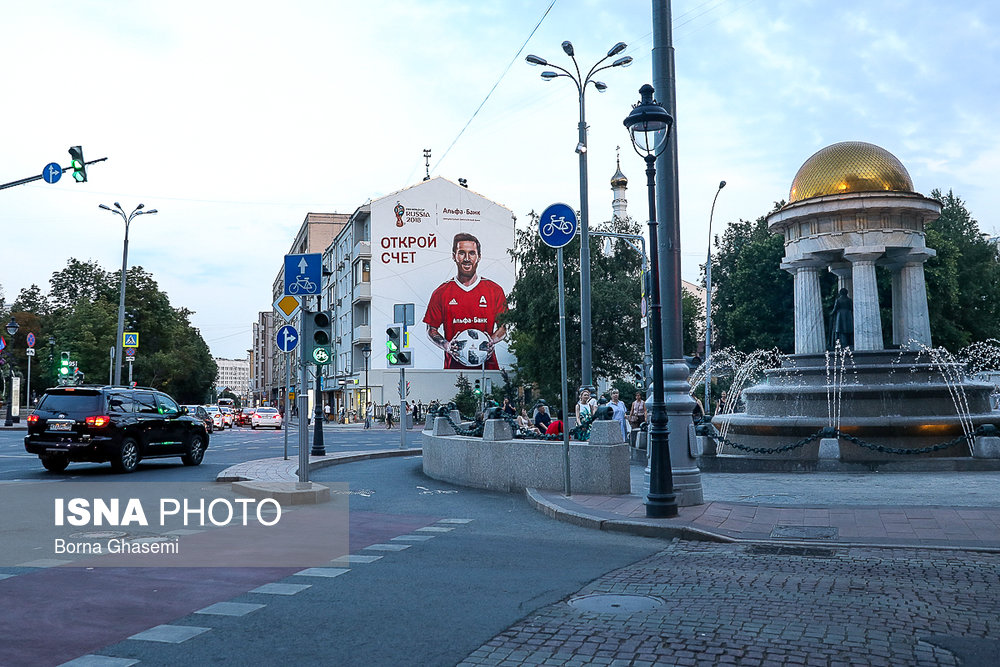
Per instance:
x=123, y=425
x=201, y=413
x=227, y=416
x=243, y=417
x=266, y=417
x=216, y=414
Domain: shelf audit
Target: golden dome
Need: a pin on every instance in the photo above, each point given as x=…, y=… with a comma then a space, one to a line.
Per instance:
x=850, y=166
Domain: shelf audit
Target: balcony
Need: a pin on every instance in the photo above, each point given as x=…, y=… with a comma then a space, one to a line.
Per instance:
x=362, y=292
x=363, y=333
x=362, y=249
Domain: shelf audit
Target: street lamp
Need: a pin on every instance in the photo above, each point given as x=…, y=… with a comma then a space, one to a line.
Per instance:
x=12, y=328
x=121, y=297
x=366, y=352
x=581, y=149
x=708, y=306
x=649, y=126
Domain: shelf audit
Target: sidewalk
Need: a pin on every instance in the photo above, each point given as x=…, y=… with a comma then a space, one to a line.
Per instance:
x=918, y=510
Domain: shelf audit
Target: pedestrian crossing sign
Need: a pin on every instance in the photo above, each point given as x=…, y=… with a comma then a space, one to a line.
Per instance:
x=130, y=339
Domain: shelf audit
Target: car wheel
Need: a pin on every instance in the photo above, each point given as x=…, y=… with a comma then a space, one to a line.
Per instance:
x=127, y=457
x=55, y=463
x=196, y=451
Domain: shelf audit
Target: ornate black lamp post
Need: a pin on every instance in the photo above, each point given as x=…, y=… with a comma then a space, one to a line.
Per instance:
x=12, y=328
x=649, y=125
x=581, y=149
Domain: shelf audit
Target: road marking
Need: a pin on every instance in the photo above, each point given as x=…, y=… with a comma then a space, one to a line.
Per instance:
x=230, y=609
x=281, y=589
x=353, y=559
x=169, y=634
x=434, y=529
x=322, y=572
x=99, y=661
x=44, y=562
x=456, y=521
x=388, y=547
x=413, y=538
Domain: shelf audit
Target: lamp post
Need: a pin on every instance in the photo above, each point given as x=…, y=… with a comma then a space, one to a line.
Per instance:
x=12, y=328
x=366, y=352
x=581, y=149
x=708, y=306
x=649, y=126
x=118, y=210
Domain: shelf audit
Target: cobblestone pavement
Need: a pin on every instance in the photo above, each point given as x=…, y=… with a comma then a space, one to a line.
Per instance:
x=730, y=604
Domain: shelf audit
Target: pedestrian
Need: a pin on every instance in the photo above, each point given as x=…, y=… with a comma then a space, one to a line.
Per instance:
x=368, y=414
x=525, y=424
x=618, y=413
x=556, y=427
x=388, y=415
x=698, y=413
x=585, y=407
x=508, y=409
x=542, y=418
x=326, y=412
x=637, y=415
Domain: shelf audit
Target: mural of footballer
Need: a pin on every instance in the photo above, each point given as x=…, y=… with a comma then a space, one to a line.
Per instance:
x=466, y=301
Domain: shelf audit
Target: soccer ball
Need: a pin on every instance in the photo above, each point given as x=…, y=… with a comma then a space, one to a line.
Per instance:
x=471, y=347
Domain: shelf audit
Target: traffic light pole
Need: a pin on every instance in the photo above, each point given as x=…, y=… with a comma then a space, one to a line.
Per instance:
x=402, y=408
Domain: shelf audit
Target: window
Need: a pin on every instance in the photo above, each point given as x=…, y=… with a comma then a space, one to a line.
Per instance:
x=145, y=404
x=167, y=405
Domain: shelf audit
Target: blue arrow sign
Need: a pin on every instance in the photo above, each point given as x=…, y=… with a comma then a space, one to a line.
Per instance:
x=52, y=172
x=303, y=274
x=287, y=338
x=557, y=225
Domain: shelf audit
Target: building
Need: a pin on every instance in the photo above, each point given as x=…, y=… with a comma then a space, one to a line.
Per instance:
x=261, y=354
x=234, y=375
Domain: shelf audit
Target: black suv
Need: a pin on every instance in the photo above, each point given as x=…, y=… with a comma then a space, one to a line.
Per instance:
x=117, y=424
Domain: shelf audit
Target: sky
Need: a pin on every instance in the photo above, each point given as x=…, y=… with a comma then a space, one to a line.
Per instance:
x=236, y=119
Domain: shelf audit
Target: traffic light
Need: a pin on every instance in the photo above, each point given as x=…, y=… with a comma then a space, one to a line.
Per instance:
x=317, y=335
x=395, y=355
x=478, y=389
x=63, y=364
x=78, y=165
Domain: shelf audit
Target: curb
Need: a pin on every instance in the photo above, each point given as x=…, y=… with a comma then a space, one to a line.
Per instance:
x=616, y=524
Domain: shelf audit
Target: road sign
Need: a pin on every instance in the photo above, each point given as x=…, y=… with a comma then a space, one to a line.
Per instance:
x=3, y=343
x=129, y=353
x=287, y=307
x=287, y=338
x=52, y=172
x=31, y=340
x=321, y=356
x=402, y=313
x=30, y=352
x=130, y=339
x=303, y=273
x=557, y=225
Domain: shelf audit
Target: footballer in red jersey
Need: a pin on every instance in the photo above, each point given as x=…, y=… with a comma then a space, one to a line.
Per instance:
x=466, y=301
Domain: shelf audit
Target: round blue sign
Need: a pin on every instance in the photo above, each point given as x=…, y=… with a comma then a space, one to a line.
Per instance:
x=287, y=338
x=557, y=226
x=52, y=172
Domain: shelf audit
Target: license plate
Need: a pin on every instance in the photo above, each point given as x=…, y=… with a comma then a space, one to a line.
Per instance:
x=60, y=425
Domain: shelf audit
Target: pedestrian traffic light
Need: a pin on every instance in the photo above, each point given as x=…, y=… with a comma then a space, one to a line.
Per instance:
x=78, y=165
x=478, y=389
x=395, y=355
x=317, y=334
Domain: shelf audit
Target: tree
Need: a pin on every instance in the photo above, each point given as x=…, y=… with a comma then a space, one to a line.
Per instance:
x=466, y=401
x=752, y=303
x=533, y=320
x=32, y=300
x=693, y=316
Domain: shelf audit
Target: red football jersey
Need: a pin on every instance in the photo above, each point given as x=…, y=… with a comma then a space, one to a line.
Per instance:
x=458, y=308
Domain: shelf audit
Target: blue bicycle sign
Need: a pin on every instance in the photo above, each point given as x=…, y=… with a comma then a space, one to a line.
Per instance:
x=303, y=274
x=557, y=225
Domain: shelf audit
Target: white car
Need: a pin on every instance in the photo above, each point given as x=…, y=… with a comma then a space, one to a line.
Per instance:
x=266, y=417
x=217, y=419
x=227, y=416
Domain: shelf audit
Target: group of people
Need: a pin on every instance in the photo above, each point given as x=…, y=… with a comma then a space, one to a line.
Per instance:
x=630, y=417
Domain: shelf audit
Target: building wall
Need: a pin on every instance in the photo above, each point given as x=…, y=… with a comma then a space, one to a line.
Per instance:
x=234, y=374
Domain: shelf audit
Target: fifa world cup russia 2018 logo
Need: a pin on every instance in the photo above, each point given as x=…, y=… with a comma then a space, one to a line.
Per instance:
x=399, y=210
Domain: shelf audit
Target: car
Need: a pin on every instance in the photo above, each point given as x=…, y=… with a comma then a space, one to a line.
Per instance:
x=265, y=417
x=120, y=425
x=202, y=414
x=227, y=416
x=215, y=413
x=243, y=416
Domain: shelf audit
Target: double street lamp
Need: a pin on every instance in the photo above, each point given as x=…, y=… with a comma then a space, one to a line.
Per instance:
x=12, y=329
x=118, y=210
x=649, y=126
x=581, y=149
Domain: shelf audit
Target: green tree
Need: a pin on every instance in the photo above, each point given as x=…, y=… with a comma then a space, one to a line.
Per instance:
x=693, y=315
x=465, y=400
x=32, y=300
x=752, y=300
x=533, y=320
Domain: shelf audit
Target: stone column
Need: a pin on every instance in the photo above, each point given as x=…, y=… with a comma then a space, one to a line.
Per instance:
x=897, y=308
x=867, y=320
x=843, y=273
x=916, y=323
x=810, y=337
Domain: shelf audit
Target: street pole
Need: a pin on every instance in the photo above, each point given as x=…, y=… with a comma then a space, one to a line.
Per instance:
x=118, y=210
x=288, y=381
x=567, y=487
x=708, y=307
x=27, y=398
x=586, y=344
x=402, y=408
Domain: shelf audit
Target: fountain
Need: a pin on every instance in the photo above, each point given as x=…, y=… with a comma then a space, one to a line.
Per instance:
x=853, y=207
